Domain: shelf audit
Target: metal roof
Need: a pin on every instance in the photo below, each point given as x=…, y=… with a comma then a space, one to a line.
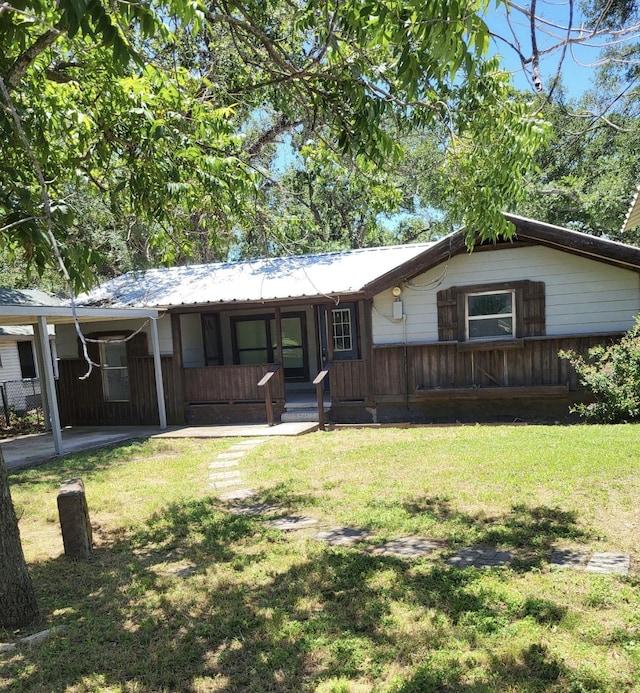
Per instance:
x=24, y=306
x=299, y=276
x=19, y=331
x=27, y=297
x=633, y=215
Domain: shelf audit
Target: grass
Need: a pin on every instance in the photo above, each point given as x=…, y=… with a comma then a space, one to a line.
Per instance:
x=183, y=596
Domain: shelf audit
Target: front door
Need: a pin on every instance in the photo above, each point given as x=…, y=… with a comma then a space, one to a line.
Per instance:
x=255, y=340
x=344, y=333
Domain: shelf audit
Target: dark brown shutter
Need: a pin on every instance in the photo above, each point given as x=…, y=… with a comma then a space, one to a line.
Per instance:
x=533, y=309
x=447, y=315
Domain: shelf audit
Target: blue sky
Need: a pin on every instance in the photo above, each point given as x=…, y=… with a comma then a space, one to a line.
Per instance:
x=578, y=65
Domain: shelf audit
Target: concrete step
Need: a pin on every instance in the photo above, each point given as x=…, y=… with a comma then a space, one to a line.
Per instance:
x=308, y=402
x=298, y=414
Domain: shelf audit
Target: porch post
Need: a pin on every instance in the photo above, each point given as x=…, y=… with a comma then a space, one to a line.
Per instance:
x=42, y=337
x=157, y=369
x=279, y=335
x=329, y=321
x=39, y=356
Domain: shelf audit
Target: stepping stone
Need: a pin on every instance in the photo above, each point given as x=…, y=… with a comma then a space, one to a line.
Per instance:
x=253, y=443
x=225, y=483
x=292, y=522
x=479, y=558
x=563, y=559
x=217, y=476
x=238, y=494
x=341, y=536
x=608, y=564
x=408, y=547
x=230, y=455
x=254, y=510
x=223, y=465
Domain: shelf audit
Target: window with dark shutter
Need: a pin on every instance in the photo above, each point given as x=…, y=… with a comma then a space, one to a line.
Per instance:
x=501, y=310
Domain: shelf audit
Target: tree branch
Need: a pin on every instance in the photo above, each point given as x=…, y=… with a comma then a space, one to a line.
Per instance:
x=21, y=63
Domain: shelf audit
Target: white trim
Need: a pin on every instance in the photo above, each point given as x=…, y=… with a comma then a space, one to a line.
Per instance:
x=40, y=331
x=478, y=318
x=157, y=370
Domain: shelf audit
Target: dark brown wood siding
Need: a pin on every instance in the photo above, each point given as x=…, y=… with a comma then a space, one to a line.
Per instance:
x=400, y=371
x=209, y=384
x=82, y=400
x=348, y=380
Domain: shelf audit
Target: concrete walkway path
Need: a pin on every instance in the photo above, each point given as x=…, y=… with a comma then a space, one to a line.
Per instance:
x=31, y=450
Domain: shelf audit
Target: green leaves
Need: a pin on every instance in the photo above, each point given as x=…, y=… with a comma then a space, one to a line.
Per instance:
x=174, y=114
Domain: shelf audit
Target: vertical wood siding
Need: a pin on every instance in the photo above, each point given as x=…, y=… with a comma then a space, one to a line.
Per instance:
x=82, y=403
x=229, y=384
x=348, y=380
x=399, y=371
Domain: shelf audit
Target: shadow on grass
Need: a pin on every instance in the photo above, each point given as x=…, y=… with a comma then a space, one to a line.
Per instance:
x=85, y=463
x=261, y=611
x=531, y=532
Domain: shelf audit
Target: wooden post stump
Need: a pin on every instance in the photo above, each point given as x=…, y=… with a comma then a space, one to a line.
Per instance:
x=74, y=519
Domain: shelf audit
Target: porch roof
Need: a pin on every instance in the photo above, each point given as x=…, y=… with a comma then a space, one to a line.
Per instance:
x=23, y=307
x=283, y=278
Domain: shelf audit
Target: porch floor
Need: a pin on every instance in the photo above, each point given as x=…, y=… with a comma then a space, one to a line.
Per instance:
x=31, y=450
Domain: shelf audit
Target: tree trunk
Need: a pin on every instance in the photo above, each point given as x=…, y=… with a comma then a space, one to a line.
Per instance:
x=18, y=605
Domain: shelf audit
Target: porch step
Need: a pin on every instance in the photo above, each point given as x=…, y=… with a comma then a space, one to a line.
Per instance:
x=300, y=415
x=302, y=407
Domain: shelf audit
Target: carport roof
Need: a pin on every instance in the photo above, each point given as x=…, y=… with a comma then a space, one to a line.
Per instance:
x=25, y=306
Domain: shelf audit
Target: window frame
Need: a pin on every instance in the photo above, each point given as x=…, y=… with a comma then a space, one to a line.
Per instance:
x=210, y=322
x=468, y=319
x=105, y=369
x=342, y=323
x=530, y=310
x=27, y=360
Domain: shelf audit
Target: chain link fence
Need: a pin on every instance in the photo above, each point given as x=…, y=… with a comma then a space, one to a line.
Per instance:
x=19, y=399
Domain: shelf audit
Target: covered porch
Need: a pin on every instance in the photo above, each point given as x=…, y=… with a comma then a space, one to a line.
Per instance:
x=38, y=309
x=276, y=361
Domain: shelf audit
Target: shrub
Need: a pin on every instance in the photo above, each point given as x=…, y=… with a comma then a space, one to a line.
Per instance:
x=612, y=373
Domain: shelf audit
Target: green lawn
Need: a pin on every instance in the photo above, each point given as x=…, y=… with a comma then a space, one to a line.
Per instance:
x=182, y=595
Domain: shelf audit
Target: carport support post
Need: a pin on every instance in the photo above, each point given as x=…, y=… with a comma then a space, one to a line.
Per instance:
x=157, y=369
x=42, y=336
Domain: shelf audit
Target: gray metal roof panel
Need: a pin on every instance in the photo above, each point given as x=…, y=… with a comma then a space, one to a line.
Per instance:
x=298, y=276
x=27, y=297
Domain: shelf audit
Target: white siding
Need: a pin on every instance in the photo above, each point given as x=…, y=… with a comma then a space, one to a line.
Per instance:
x=582, y=295
x=67, y=338
x=10, y=368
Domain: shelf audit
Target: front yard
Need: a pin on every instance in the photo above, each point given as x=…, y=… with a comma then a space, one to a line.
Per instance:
x=184, y=595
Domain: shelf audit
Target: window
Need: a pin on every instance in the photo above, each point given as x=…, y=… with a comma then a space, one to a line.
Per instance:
x=211, y=339
x=489, y=312
x=342, y=333
x=27, y=362
x=115, y=372
x=490, y=315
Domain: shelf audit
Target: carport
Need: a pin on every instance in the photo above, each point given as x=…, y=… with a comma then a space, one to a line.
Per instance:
x=39, y=309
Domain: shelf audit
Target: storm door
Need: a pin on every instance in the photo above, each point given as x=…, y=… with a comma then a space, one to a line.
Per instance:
x=344, y=332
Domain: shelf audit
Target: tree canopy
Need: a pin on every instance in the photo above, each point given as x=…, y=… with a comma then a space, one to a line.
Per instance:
x=167, y=119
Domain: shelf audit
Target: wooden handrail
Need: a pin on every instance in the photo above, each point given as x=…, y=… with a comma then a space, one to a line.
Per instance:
x=265, y=382
x=319, y=383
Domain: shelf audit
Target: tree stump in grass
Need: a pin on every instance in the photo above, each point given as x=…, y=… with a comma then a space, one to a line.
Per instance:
x=74, y=519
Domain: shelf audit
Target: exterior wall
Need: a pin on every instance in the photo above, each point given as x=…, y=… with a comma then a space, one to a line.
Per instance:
x=193, y=349
x=582, y=296
x=10, y=367
x=67, y=337
x=192, y=346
